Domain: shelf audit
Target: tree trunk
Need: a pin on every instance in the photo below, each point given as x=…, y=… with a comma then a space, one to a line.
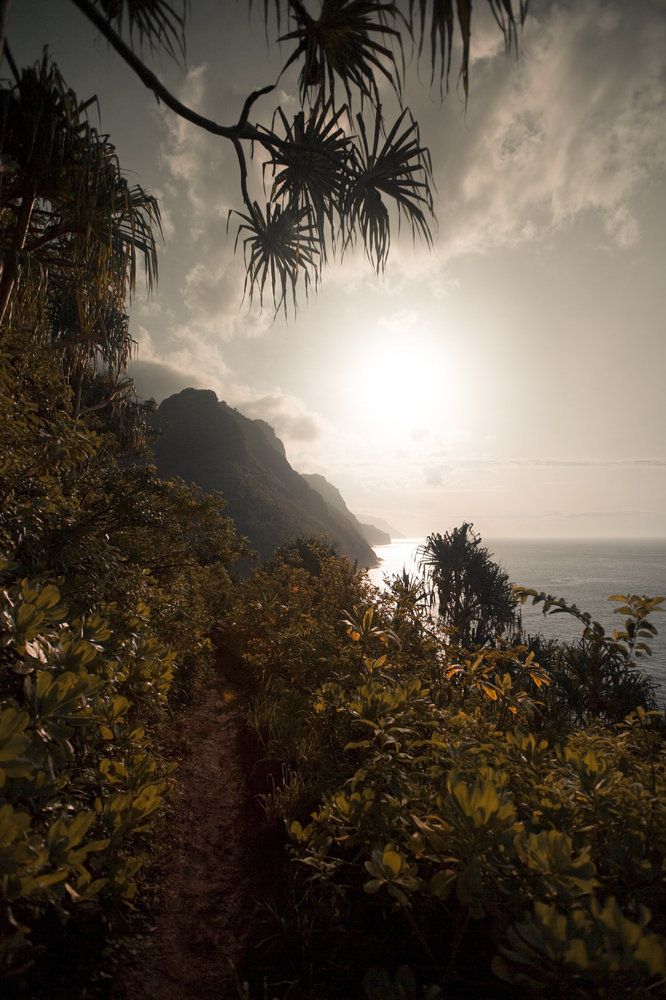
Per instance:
x=9, y=270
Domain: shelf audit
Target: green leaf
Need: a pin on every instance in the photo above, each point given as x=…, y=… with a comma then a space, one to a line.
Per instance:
x=392, y=860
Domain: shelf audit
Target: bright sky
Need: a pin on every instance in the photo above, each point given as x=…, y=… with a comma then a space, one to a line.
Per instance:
x=515, y=375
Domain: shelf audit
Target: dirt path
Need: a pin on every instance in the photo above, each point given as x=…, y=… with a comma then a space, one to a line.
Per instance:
x=211, y=870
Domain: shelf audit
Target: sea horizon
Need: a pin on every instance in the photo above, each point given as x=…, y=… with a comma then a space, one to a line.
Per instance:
x=583, y=571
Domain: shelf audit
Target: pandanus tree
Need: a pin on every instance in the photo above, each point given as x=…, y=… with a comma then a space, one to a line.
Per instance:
x=471, y=593
x=342, y=174
x=73, y=232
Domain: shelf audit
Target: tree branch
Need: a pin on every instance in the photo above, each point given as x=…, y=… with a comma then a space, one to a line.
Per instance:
x=242, y=130
x=12, y=64
x=243, y=175
x=105, y=402
x=250, y=101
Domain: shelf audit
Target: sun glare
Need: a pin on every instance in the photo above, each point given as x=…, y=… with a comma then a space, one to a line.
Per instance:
x=401, y=386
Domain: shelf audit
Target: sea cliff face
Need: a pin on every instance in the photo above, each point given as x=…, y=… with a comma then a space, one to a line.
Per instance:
x=207, y=442
x=334, y=499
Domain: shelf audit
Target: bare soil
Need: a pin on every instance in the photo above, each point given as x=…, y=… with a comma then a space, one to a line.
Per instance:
x=214, y=866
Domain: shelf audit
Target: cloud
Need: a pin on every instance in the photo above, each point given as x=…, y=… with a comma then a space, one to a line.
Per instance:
x=591, y=463
x=157, y=380
x=572, y=130
x=192, y=362
x=202, y=168
x=186, y=360
x=203, y=189
x=576, y=127
x=287, y=414
x=400, y=321
x=213, y=294
x=433, y=475
x=595, y=514
x=196, y=162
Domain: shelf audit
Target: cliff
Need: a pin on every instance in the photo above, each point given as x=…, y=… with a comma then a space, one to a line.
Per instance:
x=207, y=442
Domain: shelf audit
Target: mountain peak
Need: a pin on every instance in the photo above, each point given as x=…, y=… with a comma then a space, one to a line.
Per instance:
x=207, y=442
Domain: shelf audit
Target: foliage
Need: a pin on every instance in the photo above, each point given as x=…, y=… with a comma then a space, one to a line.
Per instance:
x=599, y=676
x=73, y=234
x=473, y=594
x=110, y=583
x=78, y=775
x=110, y=579
x=357, y=185
x=500, y=812
x=427, y=792
x=73, y=228
x=281, y=629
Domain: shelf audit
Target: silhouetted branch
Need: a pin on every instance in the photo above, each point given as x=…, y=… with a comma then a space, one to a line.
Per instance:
x=243, y=175
x=250, y=101
x=12, y=64
x=242, y=130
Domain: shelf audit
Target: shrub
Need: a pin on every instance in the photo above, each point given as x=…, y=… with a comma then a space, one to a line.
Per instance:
x=447, y=803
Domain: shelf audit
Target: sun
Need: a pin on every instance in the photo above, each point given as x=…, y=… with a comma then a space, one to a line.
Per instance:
x=400, y=385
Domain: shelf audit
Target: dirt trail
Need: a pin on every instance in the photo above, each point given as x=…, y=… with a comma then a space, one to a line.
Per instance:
x=212, y=865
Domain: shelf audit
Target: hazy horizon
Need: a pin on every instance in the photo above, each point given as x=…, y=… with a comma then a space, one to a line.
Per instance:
x=546, y=538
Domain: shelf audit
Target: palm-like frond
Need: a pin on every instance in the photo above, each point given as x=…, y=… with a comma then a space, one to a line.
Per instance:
x=51, y=148
x=159, y=23
x=472, y=593
x=91, y=336
x=41, y=126
x=397, y=167
x=267, y=5
x=87, y=228
x=281, y=243
x=350, y=40
x=508, y=18
x=309, y=166
x=508, y=14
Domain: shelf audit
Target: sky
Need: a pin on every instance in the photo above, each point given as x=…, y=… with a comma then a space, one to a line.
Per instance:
x=513, y=375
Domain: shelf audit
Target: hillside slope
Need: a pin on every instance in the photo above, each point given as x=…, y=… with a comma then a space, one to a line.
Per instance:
x=207, y=442
x=334, y=499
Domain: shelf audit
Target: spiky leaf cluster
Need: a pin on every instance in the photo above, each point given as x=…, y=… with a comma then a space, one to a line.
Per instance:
x=340, y=175
x=351, y=171
x=73, y=231
x=157, y=23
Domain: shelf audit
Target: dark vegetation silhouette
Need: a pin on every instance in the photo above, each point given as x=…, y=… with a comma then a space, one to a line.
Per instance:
x=471, y=592
x=459, y=811
x=337, y=169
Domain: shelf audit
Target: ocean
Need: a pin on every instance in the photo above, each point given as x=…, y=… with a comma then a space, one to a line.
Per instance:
x=583, y=572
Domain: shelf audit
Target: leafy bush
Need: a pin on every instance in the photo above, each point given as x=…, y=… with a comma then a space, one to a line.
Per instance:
x=77, y=770
x=89, y=545
x=600, y=675
x=110, y=580
x=449, y=802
